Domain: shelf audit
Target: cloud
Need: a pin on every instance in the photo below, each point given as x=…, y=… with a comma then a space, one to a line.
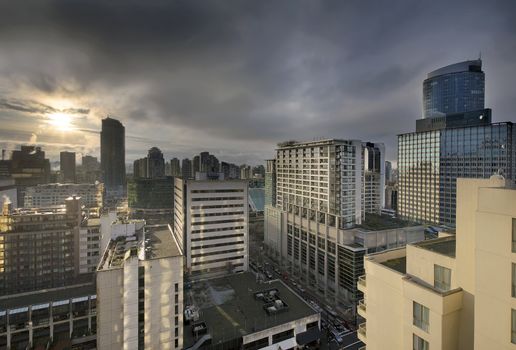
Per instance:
x=236, y=77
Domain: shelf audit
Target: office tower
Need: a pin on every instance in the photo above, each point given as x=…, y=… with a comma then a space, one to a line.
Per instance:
x=40, y=248
x=245, y=172
x=244, y=313
x=456, y=88
x=388, y=171
x=373, y=195
x=67, y=166
x=155, y=163
x=90, y=163
x=270, y=182
x=211, y=218
x=175, y=167
x=151, y=193
x=204, y=162
x=112, y=156
x=431, y=159
x=89, y=172
x=317, y=227
x=28, y=167
x=140, y=292
x=453, y=292
x=51, y=195
x=140, y=168
x=195, y=166
x=186, y=169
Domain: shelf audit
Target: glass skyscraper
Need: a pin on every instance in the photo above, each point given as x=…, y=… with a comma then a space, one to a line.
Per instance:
x=430, y=162
x=455, y=88
x=454, y=139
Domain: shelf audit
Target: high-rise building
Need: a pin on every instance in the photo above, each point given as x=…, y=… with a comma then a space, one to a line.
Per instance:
x=112, y=156
x=175, y=167
x=245, y=172
x=140, y=292
x=195, y=166
x=454, y=139
x=456, y=88
x=155, y=163
x=270, y=182
x=90, y=163
x=186, y=169
x=89, y=172
x=67, y=166
x=454, y=292
x=140, y=168
x=317, y=226
x=151, y=193
x=211, y=218
x=40, y=248
x=373, y=193
x=431, y=159
x=388, y=171
x=51, y=195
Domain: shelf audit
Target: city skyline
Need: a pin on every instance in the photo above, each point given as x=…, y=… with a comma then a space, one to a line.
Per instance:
x=188, y=78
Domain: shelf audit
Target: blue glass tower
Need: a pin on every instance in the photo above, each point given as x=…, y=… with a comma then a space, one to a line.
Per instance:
x=456, y=88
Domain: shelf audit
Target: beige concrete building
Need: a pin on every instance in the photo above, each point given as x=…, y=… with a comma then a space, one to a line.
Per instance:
x=453, y=292
x=140, y=292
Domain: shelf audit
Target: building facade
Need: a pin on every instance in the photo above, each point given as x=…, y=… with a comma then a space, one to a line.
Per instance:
x=429, y=163
x=270, y=182
x=155, y=164
x=456, y=88
x=67, y=166
x=39, y=249
x=140, y=292
x=373, y=195
x=51, y=195
x=453, y=292
x=112, y=156
x=175, y=167
x=211, y=219
x=186, y=169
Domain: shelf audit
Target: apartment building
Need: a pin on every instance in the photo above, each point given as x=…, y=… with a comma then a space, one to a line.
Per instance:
x=49, y=195
x=373, y=195
x=140, y=292
x=89, y=245
x=454, y=292
x=211, y=219
x=39, y=248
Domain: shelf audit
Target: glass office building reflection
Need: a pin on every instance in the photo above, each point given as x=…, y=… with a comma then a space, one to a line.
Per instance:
x=430, y=162
x=455, y=88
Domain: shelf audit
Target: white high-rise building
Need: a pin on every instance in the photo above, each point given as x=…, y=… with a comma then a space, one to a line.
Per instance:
x=211, y=219
x=50, y=195
x=140, y=292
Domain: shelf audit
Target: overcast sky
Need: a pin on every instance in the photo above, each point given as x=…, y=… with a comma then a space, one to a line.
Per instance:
x=236, y=77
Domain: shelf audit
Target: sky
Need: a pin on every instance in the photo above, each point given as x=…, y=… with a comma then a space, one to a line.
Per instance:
x=237, y=77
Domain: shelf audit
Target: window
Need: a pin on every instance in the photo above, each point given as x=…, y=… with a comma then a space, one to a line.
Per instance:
x=513, y=284
x=442, y=277
x=513, y=326
x=514, y=235
x=420, y=316
x=420, y=343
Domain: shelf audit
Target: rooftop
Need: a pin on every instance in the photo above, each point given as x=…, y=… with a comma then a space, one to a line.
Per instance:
x=230, y=310
x=375, y=222
x=157, y=241
x=444, y=246
x=397, y=264
x=47, y=295
x=465, y=66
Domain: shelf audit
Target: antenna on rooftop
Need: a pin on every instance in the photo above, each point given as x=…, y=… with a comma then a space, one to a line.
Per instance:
x=480, y=55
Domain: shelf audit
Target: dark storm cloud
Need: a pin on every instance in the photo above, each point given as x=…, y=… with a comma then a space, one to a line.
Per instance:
x=246, y=74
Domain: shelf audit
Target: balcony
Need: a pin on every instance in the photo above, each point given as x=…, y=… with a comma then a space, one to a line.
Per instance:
x=362, y=308
x=362, y=332
x=361, y=285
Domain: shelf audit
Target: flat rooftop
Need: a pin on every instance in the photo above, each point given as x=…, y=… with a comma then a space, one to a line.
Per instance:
x=397, y=264
x=157, y=241
x=228, y=307
x=375, y=222
x=44, y=296
x=444, y=245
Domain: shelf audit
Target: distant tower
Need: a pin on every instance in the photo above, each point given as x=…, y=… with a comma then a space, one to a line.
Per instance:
x=67, y=165
x=112, y=156
x=155, y=163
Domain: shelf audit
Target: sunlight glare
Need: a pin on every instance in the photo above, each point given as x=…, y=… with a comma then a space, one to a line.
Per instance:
x=61, y=121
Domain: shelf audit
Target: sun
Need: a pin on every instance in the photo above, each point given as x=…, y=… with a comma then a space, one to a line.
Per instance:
x=61, y=121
